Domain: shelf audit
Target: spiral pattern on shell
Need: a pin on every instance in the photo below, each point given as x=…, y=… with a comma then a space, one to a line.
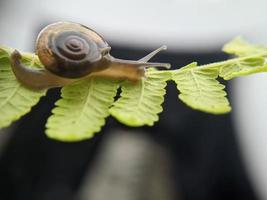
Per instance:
x=70, y=50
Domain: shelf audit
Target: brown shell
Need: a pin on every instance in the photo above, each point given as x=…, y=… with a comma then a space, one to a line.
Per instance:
x=49, y=50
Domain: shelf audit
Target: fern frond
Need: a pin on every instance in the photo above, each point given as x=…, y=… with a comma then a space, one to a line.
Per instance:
x=200, y=90
x=239, y=47
x=84, y=105
x=242, y=67
x=140, y=103
x=82, y=110
x=15, y=99
x=251, y=59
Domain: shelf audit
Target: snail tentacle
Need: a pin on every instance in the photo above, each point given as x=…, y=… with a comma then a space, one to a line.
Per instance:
x=153, y=53
x=130, y=69
x=36, y=79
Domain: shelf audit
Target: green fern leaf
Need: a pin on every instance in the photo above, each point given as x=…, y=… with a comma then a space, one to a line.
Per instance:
x=200, y=90
x=140, y=103
x=15, y=99
x=82, y=110
x=239, y=47
x=243, y=67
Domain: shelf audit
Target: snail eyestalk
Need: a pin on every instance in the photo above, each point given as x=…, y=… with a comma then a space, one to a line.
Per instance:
x=144, y=61
x=130, y=69
x=153, y=53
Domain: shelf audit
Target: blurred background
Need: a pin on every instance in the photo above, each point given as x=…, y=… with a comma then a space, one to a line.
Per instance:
x=187, y=155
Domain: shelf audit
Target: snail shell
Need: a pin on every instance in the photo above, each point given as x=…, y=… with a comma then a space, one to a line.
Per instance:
x=70, y=52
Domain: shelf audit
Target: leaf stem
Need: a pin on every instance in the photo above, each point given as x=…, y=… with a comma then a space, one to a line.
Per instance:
x=233, y=60
x=211, y=65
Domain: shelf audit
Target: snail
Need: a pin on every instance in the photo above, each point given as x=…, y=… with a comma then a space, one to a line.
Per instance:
x=70, y=52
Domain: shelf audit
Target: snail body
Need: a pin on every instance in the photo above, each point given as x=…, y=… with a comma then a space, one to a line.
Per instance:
x=70, y=52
